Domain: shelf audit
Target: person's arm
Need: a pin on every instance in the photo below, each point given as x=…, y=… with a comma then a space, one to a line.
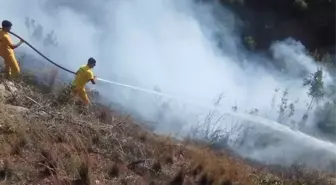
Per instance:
x=10, y=43
x=93, y=80
x=16, y=45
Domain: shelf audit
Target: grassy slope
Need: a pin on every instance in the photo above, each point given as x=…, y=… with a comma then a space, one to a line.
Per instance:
x=55, y=143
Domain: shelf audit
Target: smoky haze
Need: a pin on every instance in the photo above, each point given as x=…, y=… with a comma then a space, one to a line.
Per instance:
x=190, y=51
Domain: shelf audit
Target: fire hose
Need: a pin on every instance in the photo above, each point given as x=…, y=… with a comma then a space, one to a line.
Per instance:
x=37, y=51
x=99, y=79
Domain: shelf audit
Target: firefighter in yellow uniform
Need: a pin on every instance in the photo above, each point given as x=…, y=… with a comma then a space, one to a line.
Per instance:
x=12, y=68
x=84, y=75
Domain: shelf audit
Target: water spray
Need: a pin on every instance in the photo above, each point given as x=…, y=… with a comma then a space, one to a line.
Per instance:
x=107, y=81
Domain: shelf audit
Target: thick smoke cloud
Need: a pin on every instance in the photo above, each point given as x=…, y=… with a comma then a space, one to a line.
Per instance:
x=190, y=51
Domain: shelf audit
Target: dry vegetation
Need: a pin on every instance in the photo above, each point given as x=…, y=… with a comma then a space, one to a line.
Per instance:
x=47, y=139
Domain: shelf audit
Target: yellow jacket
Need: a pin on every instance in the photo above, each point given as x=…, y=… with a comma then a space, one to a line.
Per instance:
x=5, y=44
x=83, y=75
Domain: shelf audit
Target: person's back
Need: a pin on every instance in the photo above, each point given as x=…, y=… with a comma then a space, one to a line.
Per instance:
x=83, y=75
x=5, y=41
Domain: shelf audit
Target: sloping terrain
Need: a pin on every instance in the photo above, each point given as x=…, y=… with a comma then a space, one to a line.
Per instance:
x=45, y=138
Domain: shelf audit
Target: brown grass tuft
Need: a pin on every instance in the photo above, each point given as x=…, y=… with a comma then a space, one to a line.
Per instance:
x=84, y=174
x=226, y=182
x=5, y=171
x=49, y=162
x=142, y=137
x=156, y=167
x=64, y=97
x=167, y=159
x=178, y=178
x=113, y=171
x=6, y=127
x=206, y=179
x=104, y=116
x=197, y=169
x=18, y=145
x=59, y=137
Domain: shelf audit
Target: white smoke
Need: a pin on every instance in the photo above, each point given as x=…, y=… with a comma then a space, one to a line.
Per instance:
x=172, y=46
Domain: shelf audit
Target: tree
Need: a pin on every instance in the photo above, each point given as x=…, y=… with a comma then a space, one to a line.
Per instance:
x=286, y=110
x=316, y=89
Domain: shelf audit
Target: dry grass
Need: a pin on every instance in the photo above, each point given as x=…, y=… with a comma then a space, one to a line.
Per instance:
x=59, y=143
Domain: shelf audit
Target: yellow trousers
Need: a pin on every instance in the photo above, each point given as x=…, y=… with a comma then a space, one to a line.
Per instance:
x=12, y=68
x=81, y=93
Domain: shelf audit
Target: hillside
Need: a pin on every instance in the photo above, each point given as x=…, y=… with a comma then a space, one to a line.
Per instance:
x=47, y=139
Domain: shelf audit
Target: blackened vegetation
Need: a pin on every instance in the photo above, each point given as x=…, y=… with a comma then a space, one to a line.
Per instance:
x=310, y=21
